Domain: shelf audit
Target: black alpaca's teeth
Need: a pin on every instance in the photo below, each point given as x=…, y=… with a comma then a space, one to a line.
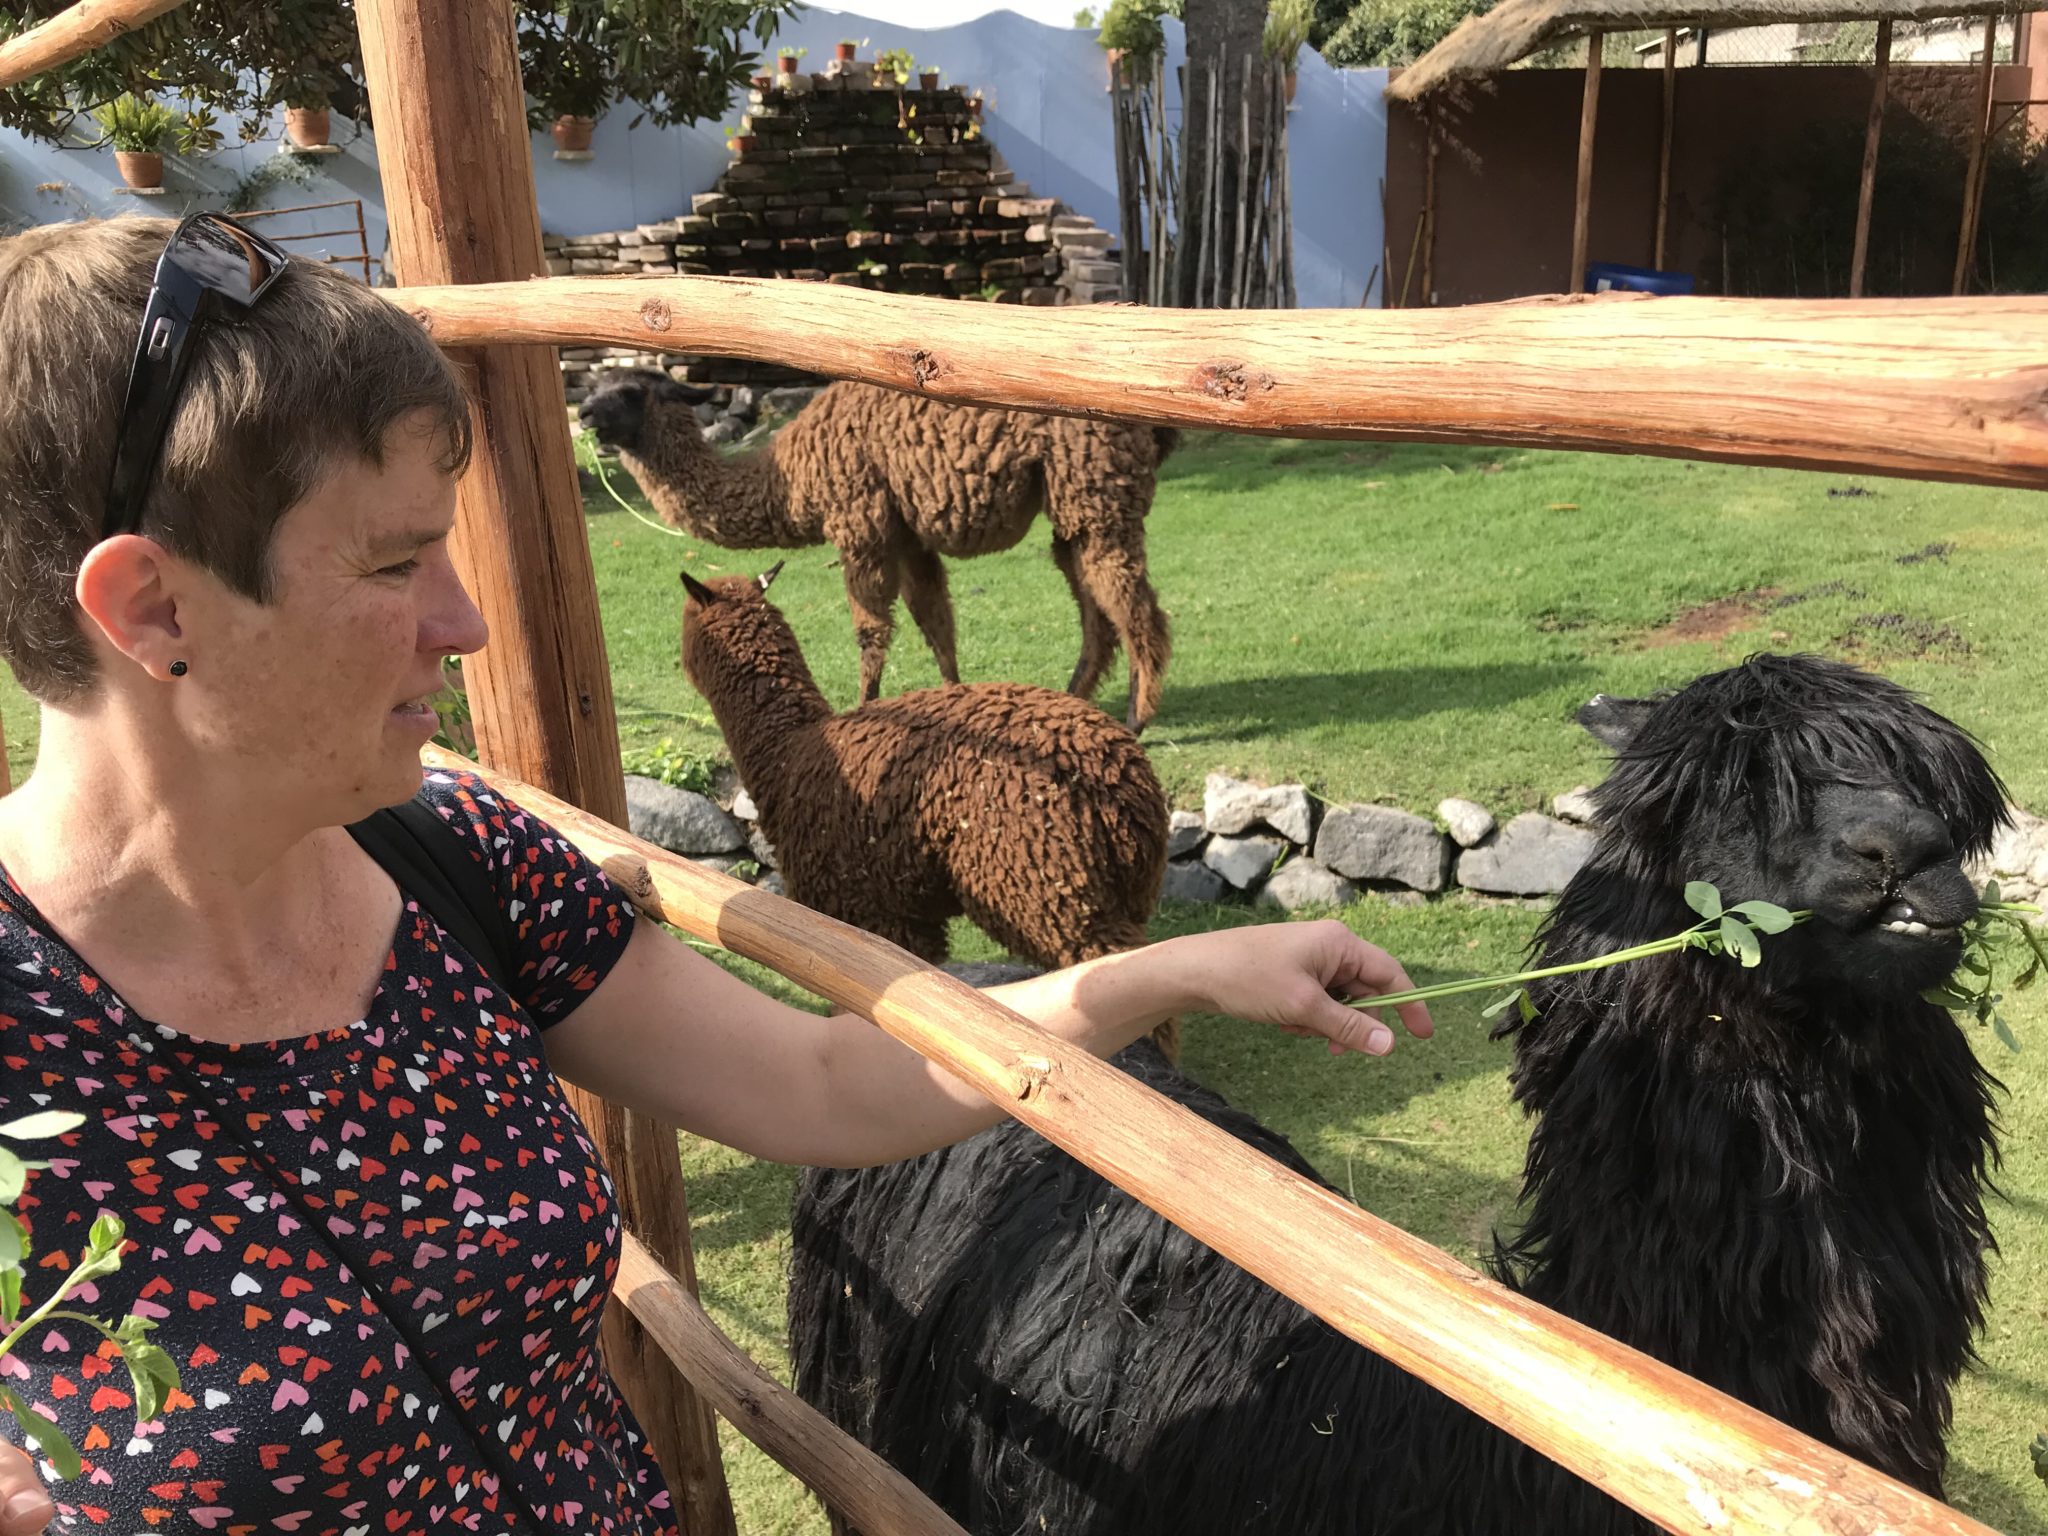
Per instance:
x=1900, y=917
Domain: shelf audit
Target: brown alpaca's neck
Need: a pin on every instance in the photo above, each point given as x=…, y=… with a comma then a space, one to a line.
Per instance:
x=741, y=502
x=764, y=700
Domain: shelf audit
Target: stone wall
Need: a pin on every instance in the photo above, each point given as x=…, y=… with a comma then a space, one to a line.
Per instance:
x=1275, y=845
x=861, y=186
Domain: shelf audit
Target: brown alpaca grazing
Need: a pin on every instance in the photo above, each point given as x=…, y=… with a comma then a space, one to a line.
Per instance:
x=893, y=481
x=1029, y=812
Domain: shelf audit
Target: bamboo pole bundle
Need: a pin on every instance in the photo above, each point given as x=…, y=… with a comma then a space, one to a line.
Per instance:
x=1247, y=190
x=852, y=1480
x=1682, y=1454
x=1941, y=389
x=88, y=25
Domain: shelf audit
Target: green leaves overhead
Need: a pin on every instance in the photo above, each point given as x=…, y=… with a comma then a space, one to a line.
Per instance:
x=680, y=60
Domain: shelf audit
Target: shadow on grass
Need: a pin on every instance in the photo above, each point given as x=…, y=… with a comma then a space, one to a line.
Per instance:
x=1257, y=706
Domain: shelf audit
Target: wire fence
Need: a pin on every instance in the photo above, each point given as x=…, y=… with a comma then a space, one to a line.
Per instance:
x=1954, y=40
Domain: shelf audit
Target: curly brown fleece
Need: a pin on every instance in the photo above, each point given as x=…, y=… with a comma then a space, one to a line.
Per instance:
x=894, y=481
x=1025, y=810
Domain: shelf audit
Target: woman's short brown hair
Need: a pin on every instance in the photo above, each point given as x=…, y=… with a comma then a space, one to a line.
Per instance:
x=277, y=398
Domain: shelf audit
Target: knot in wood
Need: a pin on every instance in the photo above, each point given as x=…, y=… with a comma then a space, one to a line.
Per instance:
x=924, y=367
x=1231, y=381
x=1033, y=1074
x=654, y=314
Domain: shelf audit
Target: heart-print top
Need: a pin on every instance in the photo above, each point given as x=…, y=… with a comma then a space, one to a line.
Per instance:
x=416, y=1175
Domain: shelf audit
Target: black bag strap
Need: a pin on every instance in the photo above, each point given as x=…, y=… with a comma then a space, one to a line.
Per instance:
x=416, y=848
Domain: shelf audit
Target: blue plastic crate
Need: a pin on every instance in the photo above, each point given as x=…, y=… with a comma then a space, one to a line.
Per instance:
x=1609, y=276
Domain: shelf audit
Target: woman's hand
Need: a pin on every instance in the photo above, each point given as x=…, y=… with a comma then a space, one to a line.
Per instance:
x=25, y=1509
x=1295, y=976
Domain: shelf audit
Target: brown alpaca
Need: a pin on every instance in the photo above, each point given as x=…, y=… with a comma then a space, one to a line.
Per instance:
x=1025, y=810
x=894, y=481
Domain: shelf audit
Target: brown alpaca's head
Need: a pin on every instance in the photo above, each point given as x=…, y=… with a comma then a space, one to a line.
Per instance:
x=738, y=649
x=628, y=403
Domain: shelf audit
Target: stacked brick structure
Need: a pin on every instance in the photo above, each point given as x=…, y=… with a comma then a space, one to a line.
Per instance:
x=866, y=187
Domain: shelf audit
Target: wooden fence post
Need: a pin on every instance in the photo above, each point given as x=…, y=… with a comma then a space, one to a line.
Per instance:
x=1871, y=134
x=456, y=162
x=1582, y=196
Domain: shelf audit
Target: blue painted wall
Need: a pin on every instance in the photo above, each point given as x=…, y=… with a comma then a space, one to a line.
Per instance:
x=1046, y=110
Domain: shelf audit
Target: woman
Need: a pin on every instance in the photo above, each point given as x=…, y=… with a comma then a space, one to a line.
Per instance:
x=371, y=1233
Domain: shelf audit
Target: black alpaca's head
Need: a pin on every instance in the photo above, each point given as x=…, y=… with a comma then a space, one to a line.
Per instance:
x=1808, y=783
x=627, y=400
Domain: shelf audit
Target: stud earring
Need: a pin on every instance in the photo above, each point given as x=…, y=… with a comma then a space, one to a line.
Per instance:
x=179, y=669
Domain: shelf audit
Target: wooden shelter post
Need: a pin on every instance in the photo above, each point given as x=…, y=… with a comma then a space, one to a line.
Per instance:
x=1664, y=150
x=1980, y=141
x=1871, y=134
x=1582, y=199
x=456, y=161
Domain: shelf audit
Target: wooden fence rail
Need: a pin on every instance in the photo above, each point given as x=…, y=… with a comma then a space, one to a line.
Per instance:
x=1680, y=1453
x=1940, y=389
x=88, y=25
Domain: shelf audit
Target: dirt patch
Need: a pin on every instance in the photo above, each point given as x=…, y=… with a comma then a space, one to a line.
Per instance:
x=1921, y=556
x=1837, y=492
x=1713, y=621
x=1897, y=634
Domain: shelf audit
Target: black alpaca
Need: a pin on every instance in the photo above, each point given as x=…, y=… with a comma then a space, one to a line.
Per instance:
x=1769, y=1178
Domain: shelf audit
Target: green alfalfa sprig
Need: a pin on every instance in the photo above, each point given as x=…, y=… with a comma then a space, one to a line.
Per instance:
x=152, y=1371
x=1736, y=930
x=1973, y=988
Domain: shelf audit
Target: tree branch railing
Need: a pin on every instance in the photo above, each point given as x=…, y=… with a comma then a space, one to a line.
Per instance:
x=68, y=34
x=1937, y=389
x=1686, y=1456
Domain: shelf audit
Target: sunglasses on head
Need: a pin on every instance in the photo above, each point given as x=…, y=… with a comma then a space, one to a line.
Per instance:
x=210, y=258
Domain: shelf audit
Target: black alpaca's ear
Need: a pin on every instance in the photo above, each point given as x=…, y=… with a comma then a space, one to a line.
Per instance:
x=697, y=590
x=1614, y=722
x=771, y=573
x=681, y=394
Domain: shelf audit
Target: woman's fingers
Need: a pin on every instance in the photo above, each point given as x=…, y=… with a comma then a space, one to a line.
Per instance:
x=25, y=1509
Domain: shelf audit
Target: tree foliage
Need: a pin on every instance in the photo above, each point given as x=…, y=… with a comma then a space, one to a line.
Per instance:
x=679, y=60
x=1383, y=33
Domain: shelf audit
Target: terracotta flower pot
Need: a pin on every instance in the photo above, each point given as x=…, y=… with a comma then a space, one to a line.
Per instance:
x=844, y=52
x=763, y=82
x=140, y=168
x=307, y=127
x=573, y=133
x=788, y=63
x=740, y=143
x=929, y=79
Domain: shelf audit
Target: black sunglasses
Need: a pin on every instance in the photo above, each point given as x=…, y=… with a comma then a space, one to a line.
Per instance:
x=209, y=257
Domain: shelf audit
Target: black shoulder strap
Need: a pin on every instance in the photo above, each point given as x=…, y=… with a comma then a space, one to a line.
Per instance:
x=427, y=858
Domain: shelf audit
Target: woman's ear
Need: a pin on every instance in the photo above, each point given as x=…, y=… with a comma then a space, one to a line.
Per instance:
x=127, y=590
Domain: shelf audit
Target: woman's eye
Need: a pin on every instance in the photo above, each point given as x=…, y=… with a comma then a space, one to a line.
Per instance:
x=403, y=568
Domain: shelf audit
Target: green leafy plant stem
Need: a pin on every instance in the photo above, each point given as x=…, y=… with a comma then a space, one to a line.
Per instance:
x=1689, y=939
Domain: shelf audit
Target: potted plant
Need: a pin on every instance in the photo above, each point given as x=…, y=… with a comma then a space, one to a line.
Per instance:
x=762, y=82
x=844, y=50
x=136, y=128
x=737, y=139
x=786, y=59
x=1287, y=28
x=893, y=66
x=1133, y=37
x=928, y=79
x=307, y=121
x=573, y=88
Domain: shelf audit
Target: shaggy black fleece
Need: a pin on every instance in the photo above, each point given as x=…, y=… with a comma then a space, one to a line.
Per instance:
x=1770, y=1178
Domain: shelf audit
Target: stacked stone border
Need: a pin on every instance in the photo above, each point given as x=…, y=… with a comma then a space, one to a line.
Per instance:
x=1280, y=846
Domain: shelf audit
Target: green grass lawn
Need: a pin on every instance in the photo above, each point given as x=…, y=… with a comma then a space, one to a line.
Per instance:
x=1399, y=624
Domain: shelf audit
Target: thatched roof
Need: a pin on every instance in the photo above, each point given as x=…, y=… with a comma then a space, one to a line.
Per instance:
x=1517, y=28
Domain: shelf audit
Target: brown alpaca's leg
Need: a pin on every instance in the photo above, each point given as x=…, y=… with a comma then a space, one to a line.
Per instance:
x=1113, y=570
x=925, y=594
x=1098, y=640
x=871, y=594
